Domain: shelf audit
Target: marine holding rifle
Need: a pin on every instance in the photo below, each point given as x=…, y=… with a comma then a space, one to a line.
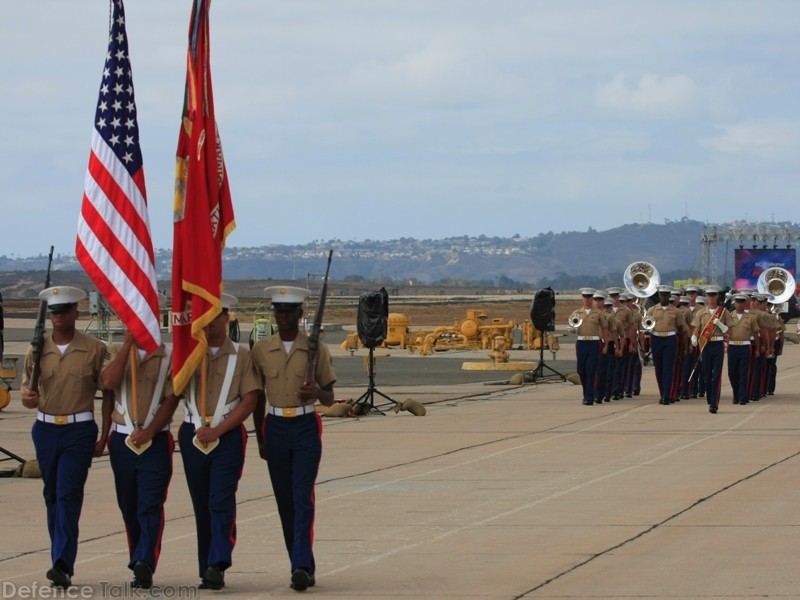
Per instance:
x=297, y=370
x=140, y=445
x=220, y=396
x=60, y=379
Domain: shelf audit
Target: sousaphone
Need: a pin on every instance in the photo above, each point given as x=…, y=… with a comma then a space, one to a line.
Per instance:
x=778, y=285
x=641, y=279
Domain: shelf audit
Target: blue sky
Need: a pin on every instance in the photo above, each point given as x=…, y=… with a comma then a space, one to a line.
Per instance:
x=379, y=119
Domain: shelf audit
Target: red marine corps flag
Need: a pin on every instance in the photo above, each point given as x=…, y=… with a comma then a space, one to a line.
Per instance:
x=113, y=244
x=203, y=211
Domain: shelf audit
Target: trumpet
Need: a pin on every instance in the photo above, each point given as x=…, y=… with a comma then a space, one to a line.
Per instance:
x=648, y=323
x=575, y=319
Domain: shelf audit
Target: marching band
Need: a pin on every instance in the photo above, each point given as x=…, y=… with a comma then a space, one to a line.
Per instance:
x=685, y=336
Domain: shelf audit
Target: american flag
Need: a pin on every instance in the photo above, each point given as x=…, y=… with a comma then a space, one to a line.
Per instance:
x=113, y=244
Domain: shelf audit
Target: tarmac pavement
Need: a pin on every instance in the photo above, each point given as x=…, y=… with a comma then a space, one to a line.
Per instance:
x=499, y=492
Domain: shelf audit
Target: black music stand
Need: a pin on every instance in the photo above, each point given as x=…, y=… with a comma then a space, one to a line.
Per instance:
x=367, y=399
x=538, y=374
x=543, y=316
x=373, y=313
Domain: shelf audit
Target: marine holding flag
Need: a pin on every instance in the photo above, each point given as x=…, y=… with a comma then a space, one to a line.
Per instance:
x=115, y=249
x=212, y=437
x=203, y=213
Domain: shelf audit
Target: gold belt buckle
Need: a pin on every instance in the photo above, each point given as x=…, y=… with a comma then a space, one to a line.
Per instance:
x=61, y=419
x=290, y=412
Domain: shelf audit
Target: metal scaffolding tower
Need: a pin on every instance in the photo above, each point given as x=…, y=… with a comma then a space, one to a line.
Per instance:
x=745, y=235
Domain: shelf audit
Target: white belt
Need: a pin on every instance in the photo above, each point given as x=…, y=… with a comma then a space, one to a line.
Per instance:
x=124, y=429
x=293, y=411
x=662, y=333
x=66, y=419
x=737, y=343
x=226, y=411
x=588, y=338
x=716, y=338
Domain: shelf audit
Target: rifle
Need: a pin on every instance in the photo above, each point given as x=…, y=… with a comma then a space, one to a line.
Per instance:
x=313, y=337
x=37, y=343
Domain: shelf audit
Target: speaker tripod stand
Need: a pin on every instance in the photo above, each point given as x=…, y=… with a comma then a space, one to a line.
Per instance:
x=367, y=399
x=538, y=373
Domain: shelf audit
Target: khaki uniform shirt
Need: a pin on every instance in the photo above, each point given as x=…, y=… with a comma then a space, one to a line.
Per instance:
x=245, y=378
x=705, y=314
x=636, y=313
x=667, y=318
x=148, y=370
x=687, y=318
x=617, y=326
x=744, y=327
x=69, y=381
x=283, y=373
x=624, y=315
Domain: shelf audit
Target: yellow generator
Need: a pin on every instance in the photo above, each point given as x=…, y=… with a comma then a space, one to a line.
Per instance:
x=532, y=338
x=8, y=372
x=397, y=333
x=476, y=332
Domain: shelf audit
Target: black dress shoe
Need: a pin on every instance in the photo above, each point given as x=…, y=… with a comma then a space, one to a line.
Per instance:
x=628, y=395
x=214, y=578
x=142, y=575
x=662, y=401
x=58, y=578
x=301, y=580
x=636, y=391
x=587, y=403
x=712, y=409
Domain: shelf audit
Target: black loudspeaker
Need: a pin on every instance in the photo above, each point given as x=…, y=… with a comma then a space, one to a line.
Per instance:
x=373, y=314
x=543, y=310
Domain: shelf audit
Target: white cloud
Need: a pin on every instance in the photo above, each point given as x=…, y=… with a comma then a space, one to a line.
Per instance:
x=653, y=95
x=763, y=138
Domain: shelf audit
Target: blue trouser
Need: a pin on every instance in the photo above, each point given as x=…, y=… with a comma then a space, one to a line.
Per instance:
x=141, y=481
x=213, y=479
x=713, y=358
x=689, y=383
x=755, y=378
x=293, y=447
x=665, y=350
x=588, y=355
x=739, y=358
x=773, y=367
x=605, y=371
x=65, y=454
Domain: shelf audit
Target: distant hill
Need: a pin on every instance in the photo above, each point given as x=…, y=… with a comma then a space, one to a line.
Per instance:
x=564, y=260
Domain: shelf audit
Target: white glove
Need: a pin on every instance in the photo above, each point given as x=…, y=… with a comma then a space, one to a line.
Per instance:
x=722, y=327
x=694, y=340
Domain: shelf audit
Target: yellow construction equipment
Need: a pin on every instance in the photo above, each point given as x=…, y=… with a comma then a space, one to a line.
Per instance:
x=532, y=338
x=476, y=332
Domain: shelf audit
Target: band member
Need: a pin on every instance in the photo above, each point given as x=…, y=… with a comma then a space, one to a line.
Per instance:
x=624, y=316
x=766, y=324
x=64, y=433
x=772, y=369
x=213, y=439
x=290, y=434
x=140, y=446
x=689, y=388
x=714, y=321
x=743, y=348
x=668, y=342
x=610, y=382
x=590, y=345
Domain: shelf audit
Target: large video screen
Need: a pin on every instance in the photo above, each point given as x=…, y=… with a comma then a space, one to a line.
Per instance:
x=751, y=263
